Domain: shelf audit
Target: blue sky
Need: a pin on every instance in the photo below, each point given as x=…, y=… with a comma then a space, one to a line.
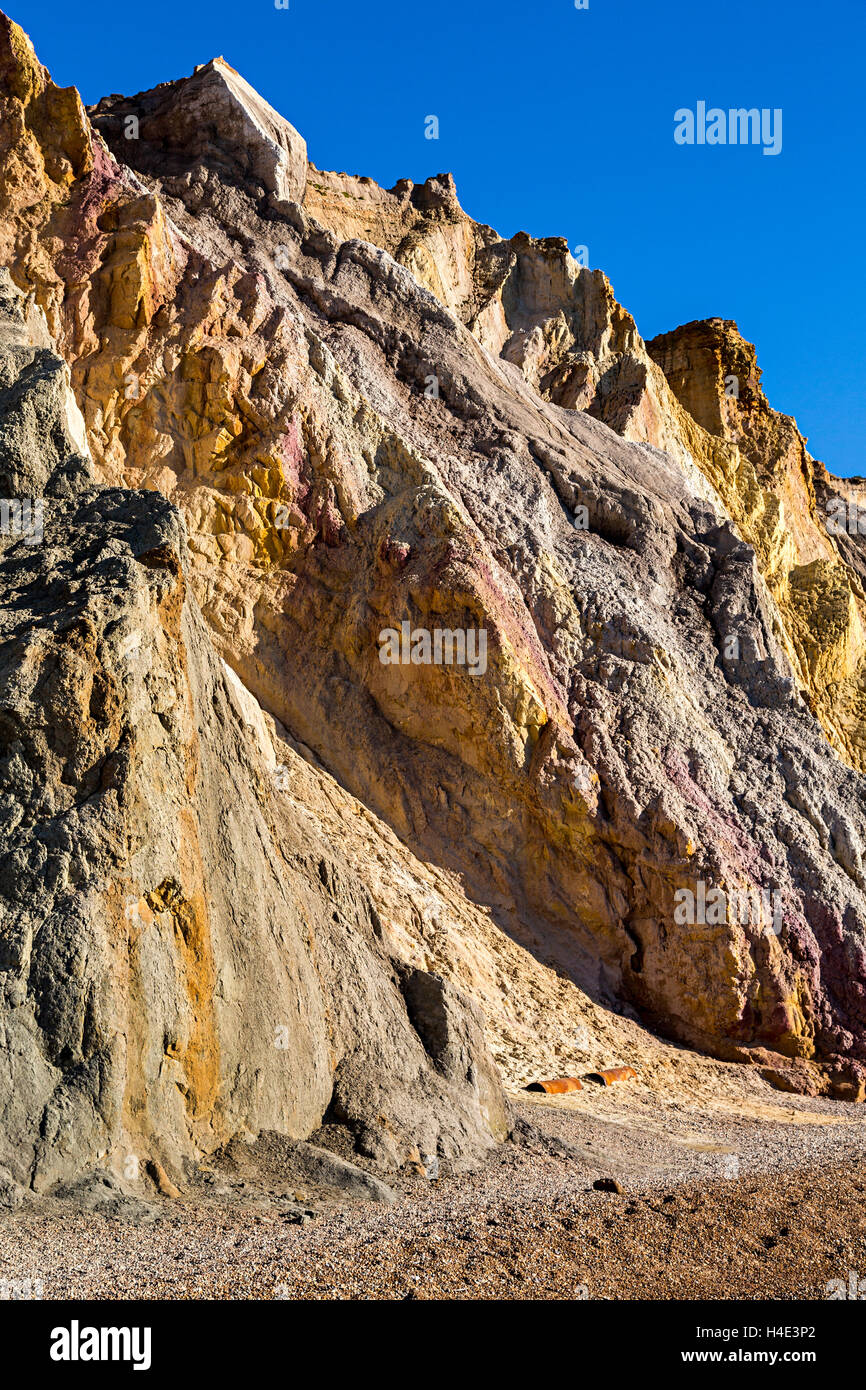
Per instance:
x=560, y=122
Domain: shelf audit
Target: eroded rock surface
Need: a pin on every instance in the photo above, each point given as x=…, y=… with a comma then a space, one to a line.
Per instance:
x=807, y=527
x=182, y=959
x=215, y=118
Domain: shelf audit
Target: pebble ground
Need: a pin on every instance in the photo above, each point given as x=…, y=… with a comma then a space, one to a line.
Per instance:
x=738, y=1208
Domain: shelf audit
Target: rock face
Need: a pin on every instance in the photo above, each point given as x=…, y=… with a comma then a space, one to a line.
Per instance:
x=695, y=393
x=213, y=118
x=181, y=958
x=804, y=524
x=369, y=412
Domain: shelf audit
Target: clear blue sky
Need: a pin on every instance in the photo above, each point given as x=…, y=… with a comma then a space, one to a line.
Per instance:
x=560, y=122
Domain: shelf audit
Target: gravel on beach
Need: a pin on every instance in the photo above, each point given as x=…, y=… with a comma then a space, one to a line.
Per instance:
x=741, y=1209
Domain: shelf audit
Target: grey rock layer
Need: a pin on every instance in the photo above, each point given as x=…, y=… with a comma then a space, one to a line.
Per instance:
x=181, y=958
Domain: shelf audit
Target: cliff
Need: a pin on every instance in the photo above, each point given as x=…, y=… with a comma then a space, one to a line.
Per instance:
x=331, y=410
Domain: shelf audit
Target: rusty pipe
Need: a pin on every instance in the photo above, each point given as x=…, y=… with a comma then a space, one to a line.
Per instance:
x=557, y=1087
x=607, y=1078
